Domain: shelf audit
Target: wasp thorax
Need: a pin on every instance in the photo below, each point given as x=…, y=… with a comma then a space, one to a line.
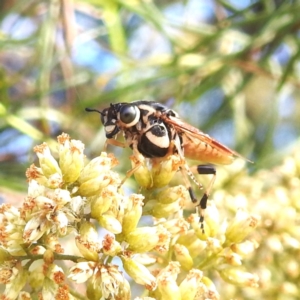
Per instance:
x=129, y=115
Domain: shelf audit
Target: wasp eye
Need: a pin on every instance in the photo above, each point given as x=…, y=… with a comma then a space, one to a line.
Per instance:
x=128, y=114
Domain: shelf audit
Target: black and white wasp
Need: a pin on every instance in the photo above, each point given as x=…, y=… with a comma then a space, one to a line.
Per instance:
x=156, y=131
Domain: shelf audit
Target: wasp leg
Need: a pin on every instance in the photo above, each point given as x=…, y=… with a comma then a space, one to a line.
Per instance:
x=185, y=170
x=206, y=170
x=114, y=143
x=130, y=172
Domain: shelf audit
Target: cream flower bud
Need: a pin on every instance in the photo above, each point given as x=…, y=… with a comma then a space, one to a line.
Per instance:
x=16, y=282
x=239, y=277
x=35, y=189
x=61, y=197
x=37, y=277
x=132, y=213
x=124, y=292
x=165, y=210
x=188, y=287
x=166, y=282
x=48, y=257
x=164, y=170
x=146, y=258
x=214, y=245
x=212, y=219
x=139, y=273
x=192, y=243
x=144, y=239
x=93, y=291
x=54, y=181
x=183, y=256
x=142, y=174
x=88, y=231
x=97, y=166
x=77, y=204
x=86, y=241
x=110, y=223
x=102, y=202
x=229, y=257
x=207, y=287
x=48, y=163
x=149, y=206
x=71, y=157
x=240, y=227
x=172, y=194
x=176, y=226
x=245, y=248
x=4, y=255
x=94, y=186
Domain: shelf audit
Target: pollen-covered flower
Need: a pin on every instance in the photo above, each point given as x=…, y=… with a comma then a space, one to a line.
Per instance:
x=11, y=230
x=36, y=277
x=166, y=281
x=144, y=239
x=164, y=170
x=132, y=213
x=142, y=173
x=102, y=202
x=207, y=290
x=46, y=210
x=183, y=256
x=108, y=277
x=53, y=285
x=155, y=173
x=35, y=173
x=71, y=157
x=14, y=276
x=239, y=277
x=48, y=164
x=87, y=241
x=167, y=202
x=172, y=194
x=189, y=286
x=195, y=245
x=177, y=226
x=66, y=201
x=161, y=210
x=138, y=272
x=110, y=223
x=240, y=227
x=111, y=247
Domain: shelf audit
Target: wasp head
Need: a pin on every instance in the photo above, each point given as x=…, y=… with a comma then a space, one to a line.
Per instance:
x=108, y=119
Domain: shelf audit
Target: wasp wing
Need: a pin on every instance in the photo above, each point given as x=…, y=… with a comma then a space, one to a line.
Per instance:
x=200, y=146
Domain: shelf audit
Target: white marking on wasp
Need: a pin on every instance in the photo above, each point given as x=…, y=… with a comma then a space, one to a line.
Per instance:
x=162, y=141
x=110, y=128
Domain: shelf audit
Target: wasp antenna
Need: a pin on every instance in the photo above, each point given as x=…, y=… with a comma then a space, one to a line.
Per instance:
x=93, y=110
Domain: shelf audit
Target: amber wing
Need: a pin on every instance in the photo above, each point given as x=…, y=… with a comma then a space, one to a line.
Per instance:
x=200, y=146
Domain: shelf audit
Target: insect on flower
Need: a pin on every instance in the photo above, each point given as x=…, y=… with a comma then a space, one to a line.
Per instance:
x=155, y=131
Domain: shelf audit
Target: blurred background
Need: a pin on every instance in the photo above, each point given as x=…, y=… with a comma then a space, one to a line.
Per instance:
x=230, y=68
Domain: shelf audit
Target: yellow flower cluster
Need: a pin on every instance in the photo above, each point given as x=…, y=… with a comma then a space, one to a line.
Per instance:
x=69, y=199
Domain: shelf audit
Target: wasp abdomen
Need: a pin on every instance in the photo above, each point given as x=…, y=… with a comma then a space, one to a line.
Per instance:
x=201, y=151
